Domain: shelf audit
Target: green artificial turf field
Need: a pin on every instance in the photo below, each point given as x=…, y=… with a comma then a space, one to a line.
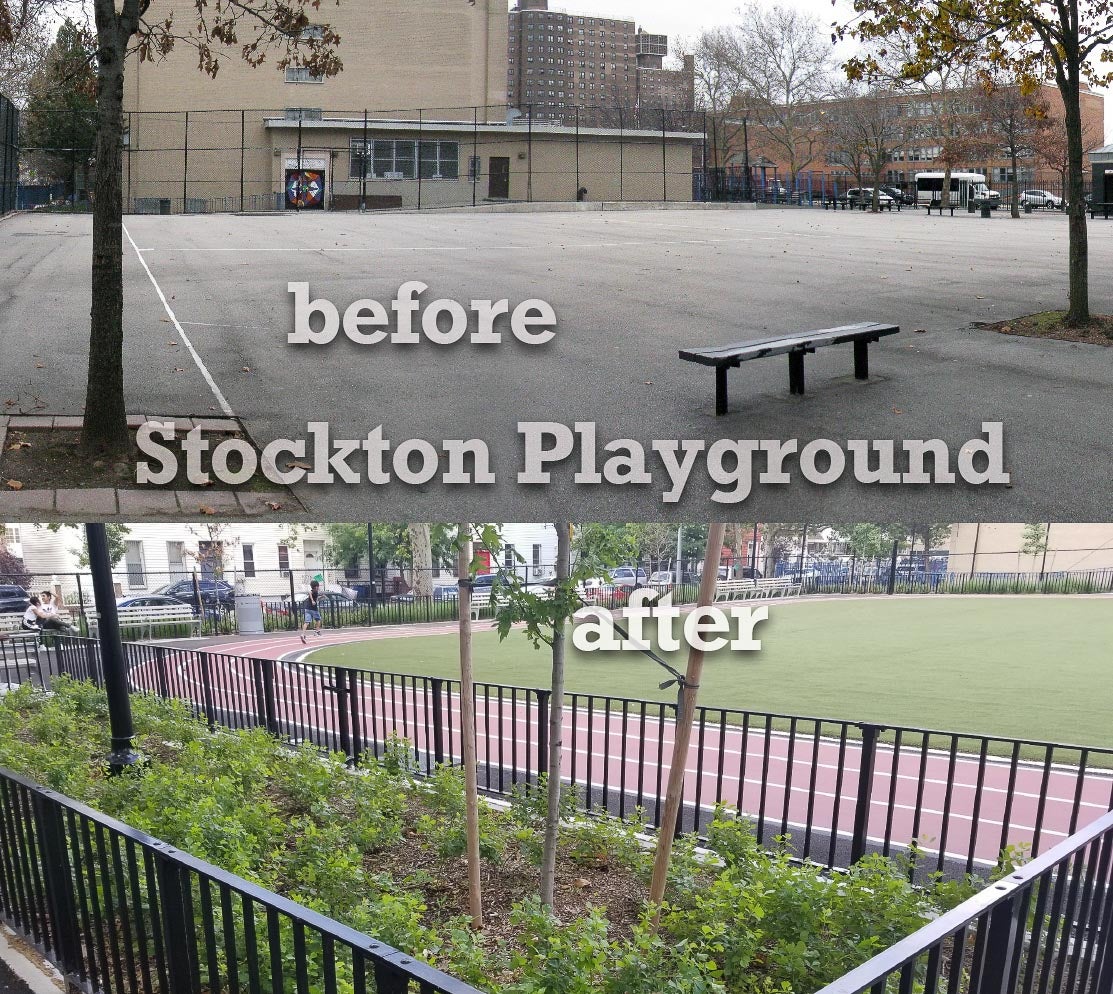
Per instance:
x=1035, y=667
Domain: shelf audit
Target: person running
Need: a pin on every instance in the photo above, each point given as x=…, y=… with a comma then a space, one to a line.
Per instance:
x=312, y=609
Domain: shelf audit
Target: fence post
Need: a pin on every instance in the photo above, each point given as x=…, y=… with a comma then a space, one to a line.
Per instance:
x=131, y=142
x=73, y=157
x=621, y=153
x=293, y=604
x=58, y=883
x=243, y=153
x=529, y=156
x=893, y=571
x=664, y=159
x=160, y=672
x=355, y=699
x=417, y=150
x=364, y=163
x=436, y=684
x=474, y=155
x=543, y=703
x=175, y=923
x=870, y=734
x=185, y=165
x=340, y=687
x=1004, y=929
x=577, y=154
x=207, y=688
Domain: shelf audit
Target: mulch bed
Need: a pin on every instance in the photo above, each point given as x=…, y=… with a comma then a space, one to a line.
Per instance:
x=51, y=458
x=1049, y=324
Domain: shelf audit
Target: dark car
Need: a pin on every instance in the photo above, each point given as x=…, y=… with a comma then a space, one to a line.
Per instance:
x=899, y=195
x=13, y=598
x=214, y=593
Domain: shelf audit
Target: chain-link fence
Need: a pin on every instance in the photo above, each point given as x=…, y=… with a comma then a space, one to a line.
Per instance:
x=9, y=154
x=203, y=161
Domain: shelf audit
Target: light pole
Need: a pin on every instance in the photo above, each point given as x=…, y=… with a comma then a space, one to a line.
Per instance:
x=114, y=668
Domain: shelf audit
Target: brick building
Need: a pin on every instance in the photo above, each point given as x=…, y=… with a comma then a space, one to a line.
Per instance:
x=918, y=150
x=559, y=61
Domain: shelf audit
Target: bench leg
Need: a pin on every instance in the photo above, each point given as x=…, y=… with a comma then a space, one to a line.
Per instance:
x=861, y=361
x=720, y=391
x=796, y=372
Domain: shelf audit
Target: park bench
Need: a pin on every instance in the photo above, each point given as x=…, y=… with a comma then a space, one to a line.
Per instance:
x=147, y=619
x=12, y=630
x=725, y=357
x=775, y=586
x=1105, y=209
x=480, y=599
x=938, y=205
x=834, y=203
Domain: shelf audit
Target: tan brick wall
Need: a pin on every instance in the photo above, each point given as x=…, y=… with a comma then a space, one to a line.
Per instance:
x=995, y=547
x=396, y=53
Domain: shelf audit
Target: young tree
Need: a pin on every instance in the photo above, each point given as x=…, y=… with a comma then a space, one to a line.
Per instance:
x=421, y=547
x=784, y=67
x=59, y=123
x=465, y=570
x=867, y=129
x=117, y=542
x=1065, y=41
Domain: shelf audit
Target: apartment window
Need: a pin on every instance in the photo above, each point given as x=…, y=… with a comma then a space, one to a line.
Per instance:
x=536, y=556
x=249, y=561
x=284, y=559
x=301, y=74
x=313, y=32
x=175, y=558
x=508, y=557
x=133, y=560
x=304, y=114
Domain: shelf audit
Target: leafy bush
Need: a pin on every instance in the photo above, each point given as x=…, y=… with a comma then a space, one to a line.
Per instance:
x=301, y=823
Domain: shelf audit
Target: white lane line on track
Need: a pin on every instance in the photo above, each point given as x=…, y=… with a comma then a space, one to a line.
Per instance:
x=220, y=398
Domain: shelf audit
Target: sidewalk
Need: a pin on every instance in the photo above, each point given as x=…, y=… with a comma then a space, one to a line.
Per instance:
x=21, y=974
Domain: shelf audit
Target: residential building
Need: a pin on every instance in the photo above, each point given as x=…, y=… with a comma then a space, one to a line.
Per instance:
x=1000, y=548
x=561, y=64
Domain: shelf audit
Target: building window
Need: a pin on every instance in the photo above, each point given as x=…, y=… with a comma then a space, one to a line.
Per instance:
x=304, y=114
x=249, y=561
x=536, y=556
x=398, y=159
x=133, y=559
x=301, y=74
x=284, y=559
x=475, y=167
x=175, y=558
x=508, y=557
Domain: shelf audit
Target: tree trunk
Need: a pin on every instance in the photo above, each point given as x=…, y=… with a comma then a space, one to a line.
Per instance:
x=106, y=430
x=1078, y=310
x=421, y=545
x=556, y=727
x=467, y=730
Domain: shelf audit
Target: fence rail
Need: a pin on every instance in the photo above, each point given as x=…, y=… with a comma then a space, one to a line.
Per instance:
x=1046, y=927
x=948, y=801
x=122, y=913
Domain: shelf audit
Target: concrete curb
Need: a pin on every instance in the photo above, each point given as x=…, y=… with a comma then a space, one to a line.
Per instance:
x=40, y=977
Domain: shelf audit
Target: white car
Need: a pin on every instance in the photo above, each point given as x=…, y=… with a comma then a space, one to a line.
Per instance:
x=1041, y=198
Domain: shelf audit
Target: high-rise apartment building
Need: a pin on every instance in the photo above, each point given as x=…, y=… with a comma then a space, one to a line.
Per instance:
x=558, y=61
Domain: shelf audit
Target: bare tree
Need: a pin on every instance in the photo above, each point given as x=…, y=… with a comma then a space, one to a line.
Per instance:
x=783, y=63
x=866, y=129
x=1053, y=149
x=1013, y=121
x=25, y=37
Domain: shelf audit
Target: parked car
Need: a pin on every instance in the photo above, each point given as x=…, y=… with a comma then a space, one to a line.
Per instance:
x=899, y=196
x=13, y=598
x=1041, y=198
x=628, y=576
x=856, y=196
x=214, y=593
x=153, y=600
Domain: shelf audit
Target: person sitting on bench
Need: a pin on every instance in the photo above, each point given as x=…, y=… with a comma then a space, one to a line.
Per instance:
x=52, y=621
x=34, y=616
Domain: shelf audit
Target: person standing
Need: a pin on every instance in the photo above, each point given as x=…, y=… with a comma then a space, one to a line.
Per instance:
x=312, y=609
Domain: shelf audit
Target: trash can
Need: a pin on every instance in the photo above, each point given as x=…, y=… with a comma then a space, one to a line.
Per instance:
x=971, y=205
x=986, y=209
x=249, y=614
x=1027, y=207
x=164, y=206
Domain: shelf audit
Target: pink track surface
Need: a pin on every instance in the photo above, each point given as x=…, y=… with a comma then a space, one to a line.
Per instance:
x=601, y=752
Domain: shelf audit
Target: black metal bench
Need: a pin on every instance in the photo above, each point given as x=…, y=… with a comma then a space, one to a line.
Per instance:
x=937, y=205
x=724, y=357
x=1105, y=209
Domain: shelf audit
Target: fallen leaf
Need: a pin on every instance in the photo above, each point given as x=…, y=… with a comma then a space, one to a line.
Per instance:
x=179, y=369
x=172, y=343
x=649, y=383
x=205, y=509
x=247, y=369
x=274, y=505
x=39, y=365
x=15, y=447
x=897, y=410
x=298, y=465
x=14, y=485
x=582, y=882
x=921, y=331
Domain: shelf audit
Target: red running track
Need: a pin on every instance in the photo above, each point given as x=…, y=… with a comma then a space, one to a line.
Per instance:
x=612, y=755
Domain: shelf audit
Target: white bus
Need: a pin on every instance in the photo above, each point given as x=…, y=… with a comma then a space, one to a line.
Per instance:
x=964, y=188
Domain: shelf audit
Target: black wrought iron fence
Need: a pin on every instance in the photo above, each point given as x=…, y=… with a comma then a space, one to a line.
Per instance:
x=123, y=913
x=9, y=155
x=947, y=801
x=1046, y=927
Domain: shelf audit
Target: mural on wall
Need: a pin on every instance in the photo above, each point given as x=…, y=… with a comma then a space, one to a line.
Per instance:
x=305, y=189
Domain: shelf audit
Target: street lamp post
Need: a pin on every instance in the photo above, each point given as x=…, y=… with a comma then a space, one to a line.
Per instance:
x=122, y=728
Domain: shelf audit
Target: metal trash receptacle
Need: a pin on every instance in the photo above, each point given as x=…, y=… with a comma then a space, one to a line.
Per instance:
x=987, y=209
x=249, y=614
x=164, y=206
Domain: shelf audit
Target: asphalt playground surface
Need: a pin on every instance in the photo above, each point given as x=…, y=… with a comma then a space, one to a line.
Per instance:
x=629, y=289
x=939, y=799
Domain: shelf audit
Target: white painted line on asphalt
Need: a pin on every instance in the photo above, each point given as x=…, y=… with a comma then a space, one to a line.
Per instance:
x=220, y=398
